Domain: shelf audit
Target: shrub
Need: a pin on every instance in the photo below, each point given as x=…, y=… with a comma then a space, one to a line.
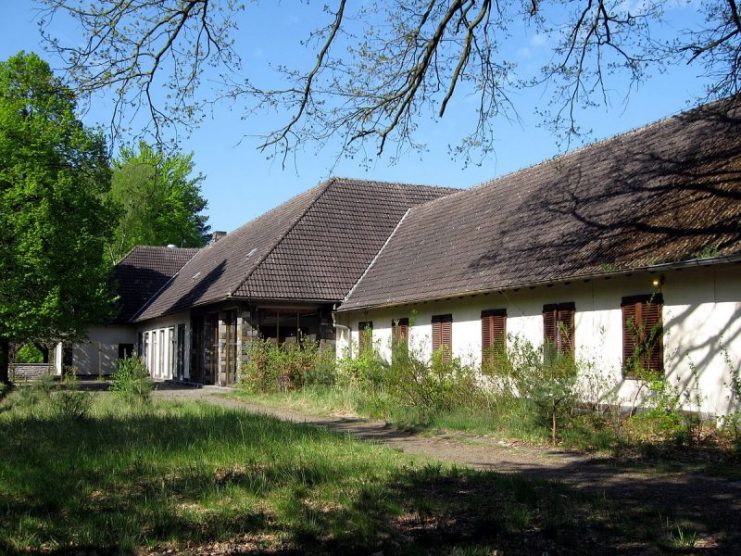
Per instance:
x=131, y=381
x=544, y=376
x=71, y=402
x=438, y=385
x=279, y=368
x=29, y=353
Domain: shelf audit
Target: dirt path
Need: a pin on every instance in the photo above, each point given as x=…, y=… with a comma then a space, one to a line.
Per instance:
x=710, y=506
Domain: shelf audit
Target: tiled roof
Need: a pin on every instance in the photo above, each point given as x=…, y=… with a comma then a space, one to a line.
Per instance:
x=143, y=272
x=668, y=192
x=314, y=247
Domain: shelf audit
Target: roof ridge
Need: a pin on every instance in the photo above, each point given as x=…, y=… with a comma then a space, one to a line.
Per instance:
x=323, y=189
x=339, y=180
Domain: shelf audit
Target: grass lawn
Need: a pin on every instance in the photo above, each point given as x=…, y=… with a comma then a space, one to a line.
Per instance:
x=196, y=478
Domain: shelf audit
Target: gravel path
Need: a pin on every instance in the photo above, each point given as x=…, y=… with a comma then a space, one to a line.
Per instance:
x=709, y=505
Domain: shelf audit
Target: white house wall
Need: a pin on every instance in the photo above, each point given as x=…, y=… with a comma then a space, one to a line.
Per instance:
x=99, y=355
x=160, y=360
x=701, y=316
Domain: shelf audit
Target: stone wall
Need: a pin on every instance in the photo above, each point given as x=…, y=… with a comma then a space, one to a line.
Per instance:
x=22, y=372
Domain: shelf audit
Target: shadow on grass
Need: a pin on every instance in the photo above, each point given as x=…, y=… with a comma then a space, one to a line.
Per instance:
x=185, y=477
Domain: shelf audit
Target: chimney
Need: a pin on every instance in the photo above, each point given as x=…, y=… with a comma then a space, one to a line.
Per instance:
x=216, y=236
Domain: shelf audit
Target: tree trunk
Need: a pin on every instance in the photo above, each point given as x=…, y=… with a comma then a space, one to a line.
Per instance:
x=4, y=361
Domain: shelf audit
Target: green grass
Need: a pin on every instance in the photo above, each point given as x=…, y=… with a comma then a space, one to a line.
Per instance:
x=511, y=420
x=183, y=476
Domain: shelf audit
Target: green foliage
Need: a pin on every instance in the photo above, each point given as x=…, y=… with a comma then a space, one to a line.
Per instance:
x=70, y=402
x=54, y=221
x=438, y=385
x=159, y=201
x=131, y=381
x=544, y=376
x=280, y=368
x=29, y=353
x=193, y=477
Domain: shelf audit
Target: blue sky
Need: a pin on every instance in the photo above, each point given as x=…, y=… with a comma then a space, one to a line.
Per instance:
x=241, y=183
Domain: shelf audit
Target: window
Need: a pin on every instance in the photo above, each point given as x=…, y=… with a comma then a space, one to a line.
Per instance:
x=399, y=340
x=145, y=351
x=125, y=350
x=643, y=334
x=170, y=352
x=558, y=329
x=180, y=366
x=161, y=355
x=442, y=336
x=365, y=336
x=493, y=334
x=400, y=332
x=153, y=355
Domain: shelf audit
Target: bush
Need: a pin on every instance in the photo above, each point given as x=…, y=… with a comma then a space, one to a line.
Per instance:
x=131, y=381
x=70, y=402
x=544, y=376
x=29, y=353
x=438, y=385
x=280, y=368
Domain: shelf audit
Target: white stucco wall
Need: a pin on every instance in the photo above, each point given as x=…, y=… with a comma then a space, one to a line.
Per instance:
x=99, y=354
x=702, y=329
x=161, y=360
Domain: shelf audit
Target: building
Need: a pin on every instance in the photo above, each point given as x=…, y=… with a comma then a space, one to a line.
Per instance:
x=625, y=253
x=278, y=276
x=626, y=248
x=143, y=272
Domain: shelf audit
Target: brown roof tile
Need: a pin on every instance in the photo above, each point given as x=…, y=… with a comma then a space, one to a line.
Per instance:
x=143, y=272
x=668, y=192
x=314, y=247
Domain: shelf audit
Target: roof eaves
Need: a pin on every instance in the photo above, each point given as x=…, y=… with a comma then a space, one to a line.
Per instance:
x=677, y=265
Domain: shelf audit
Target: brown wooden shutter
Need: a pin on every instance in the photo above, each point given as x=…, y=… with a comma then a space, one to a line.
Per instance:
x=365, y=335
x=442, y=335
x=493, y=333
x=643, y=334
x=653, y=323
x=400, y=331
x=550, y=314
x=566, y=327
x=630, y=340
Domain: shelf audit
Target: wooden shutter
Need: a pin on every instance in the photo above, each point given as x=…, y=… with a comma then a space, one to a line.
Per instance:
x=365, y=335
x=493, y=333
x=558, y=328
x=550, y=314
x=654, y=327
x=643, y=334
x=566, y=327
x=442, y=335
x=400, y=331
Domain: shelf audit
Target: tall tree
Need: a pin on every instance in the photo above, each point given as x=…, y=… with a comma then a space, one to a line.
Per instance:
x=383, y=65
x=159, y=201
x=54, y=220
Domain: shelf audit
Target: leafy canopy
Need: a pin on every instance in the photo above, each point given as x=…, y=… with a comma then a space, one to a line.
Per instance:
x=54, y=219
x=380, y=67
x=159, y=200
